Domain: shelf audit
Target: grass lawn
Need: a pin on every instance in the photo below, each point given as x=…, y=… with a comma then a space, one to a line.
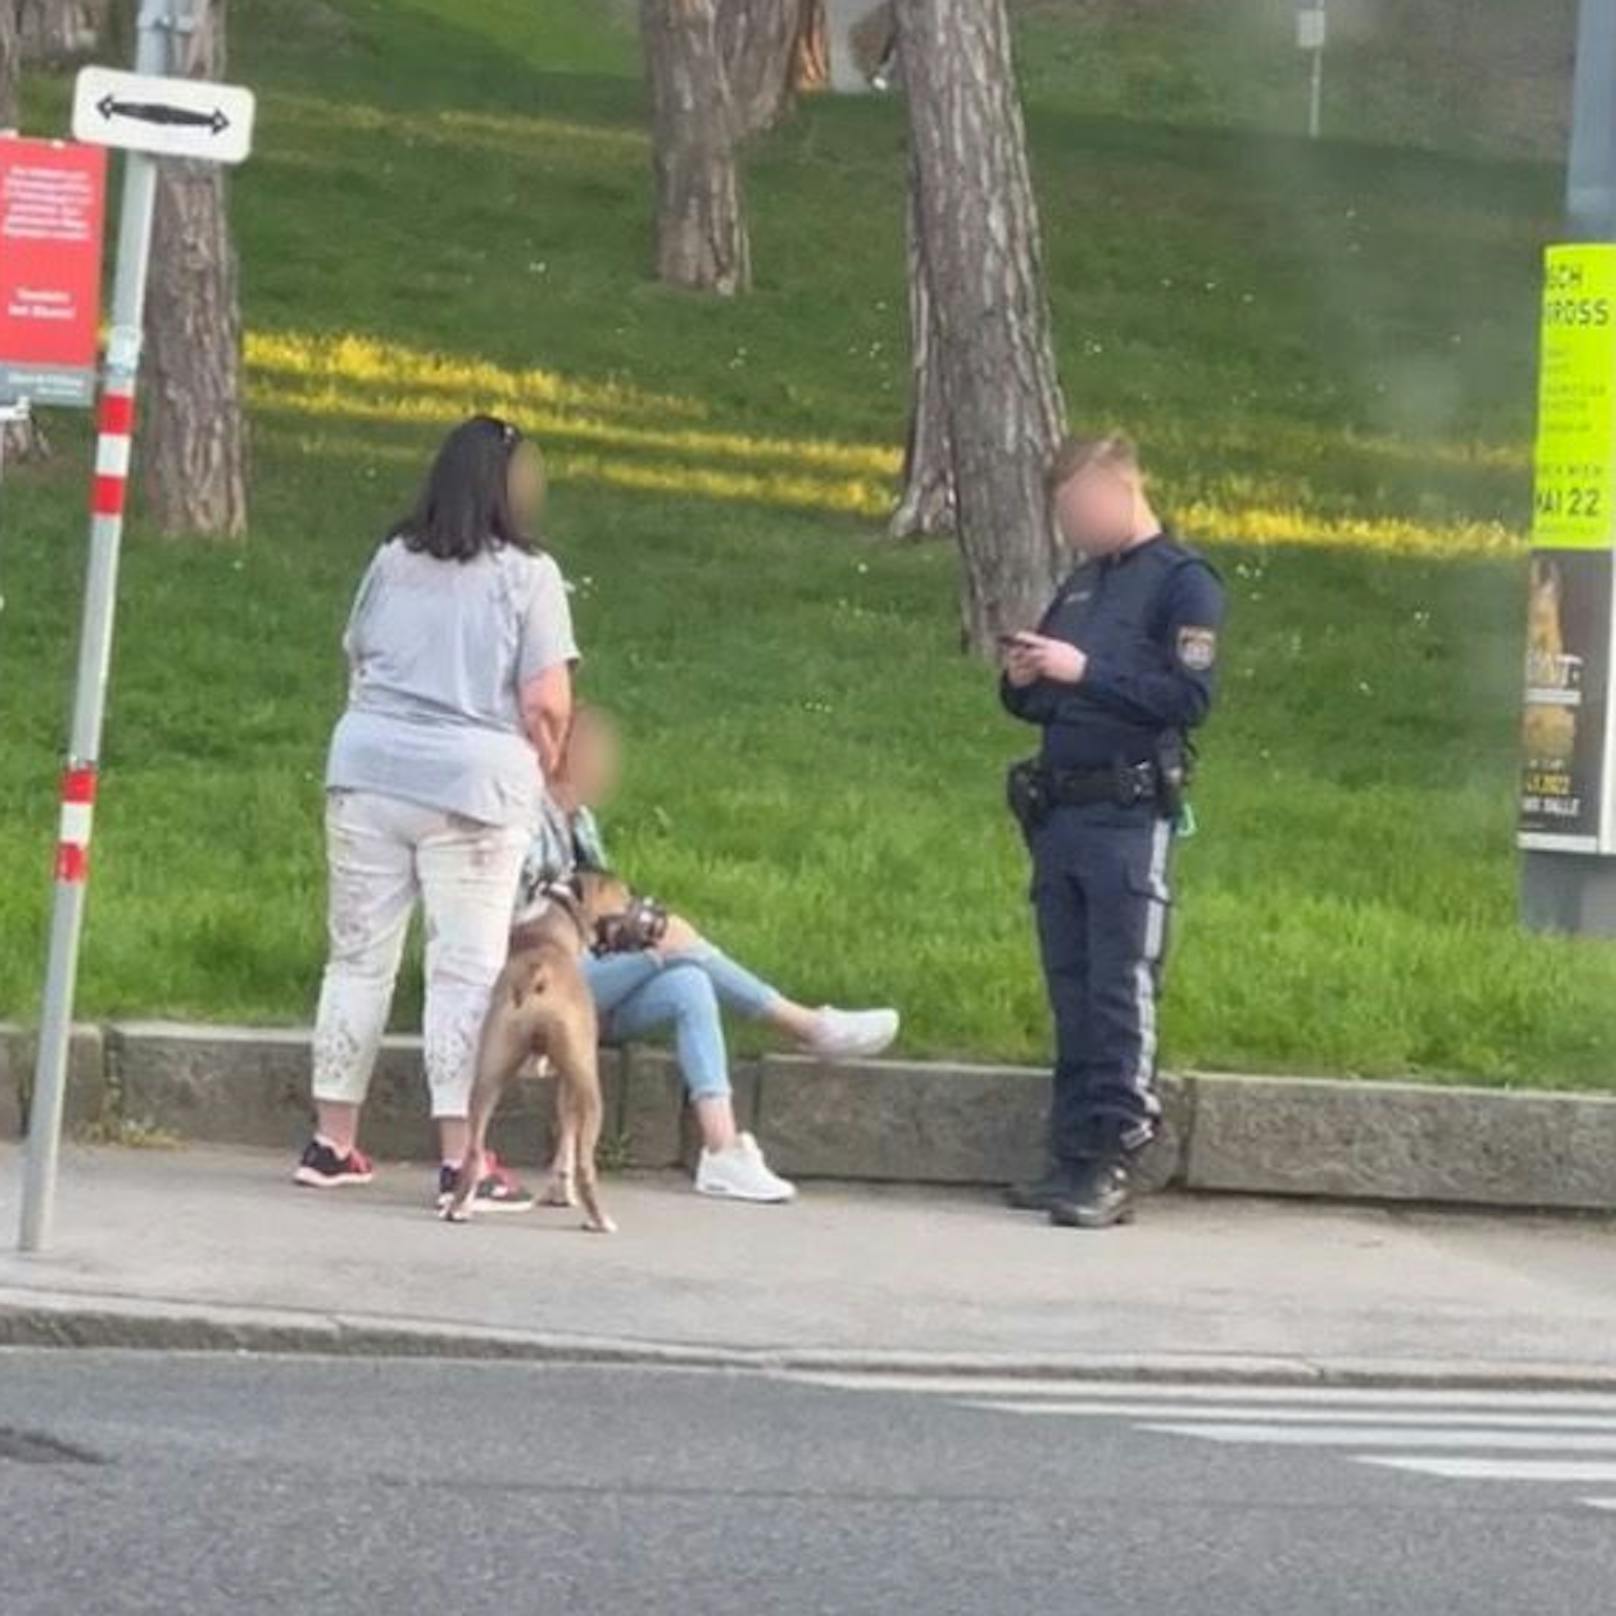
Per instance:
x=1329, y=350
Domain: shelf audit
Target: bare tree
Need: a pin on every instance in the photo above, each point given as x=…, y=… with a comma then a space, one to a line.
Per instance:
x=977, y=281
x=26, y=441
x=701, y=238
x=194, y=460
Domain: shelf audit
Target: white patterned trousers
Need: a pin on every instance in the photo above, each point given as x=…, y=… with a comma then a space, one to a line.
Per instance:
x=383, y=855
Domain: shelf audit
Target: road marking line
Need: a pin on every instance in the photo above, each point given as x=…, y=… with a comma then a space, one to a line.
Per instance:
x=1498, y=1469
x=1599, y=1503
x=1132, y=1391
x=1295, y=1416
x=1345, y=1436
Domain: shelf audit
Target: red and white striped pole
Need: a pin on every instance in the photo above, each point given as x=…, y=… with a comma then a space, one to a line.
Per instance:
x=73, y=842
x=108, y=495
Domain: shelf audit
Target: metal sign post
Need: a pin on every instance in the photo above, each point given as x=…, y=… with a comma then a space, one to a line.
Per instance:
x=1312, y=29
x=157, y=99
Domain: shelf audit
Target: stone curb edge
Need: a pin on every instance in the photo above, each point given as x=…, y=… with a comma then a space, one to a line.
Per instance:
x=879, y=1121
x=54, y=1319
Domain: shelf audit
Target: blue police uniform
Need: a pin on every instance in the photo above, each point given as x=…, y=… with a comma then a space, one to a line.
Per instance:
x=1148, y=621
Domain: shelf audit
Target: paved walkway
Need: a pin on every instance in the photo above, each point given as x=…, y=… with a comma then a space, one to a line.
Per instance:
x=844, y=1273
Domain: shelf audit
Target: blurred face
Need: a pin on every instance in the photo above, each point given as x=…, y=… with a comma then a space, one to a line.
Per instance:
x=526, y=484
x=1096, y=507
x=593, y=763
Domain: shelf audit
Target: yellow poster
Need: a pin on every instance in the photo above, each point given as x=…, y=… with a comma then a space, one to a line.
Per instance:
x=1575, y=501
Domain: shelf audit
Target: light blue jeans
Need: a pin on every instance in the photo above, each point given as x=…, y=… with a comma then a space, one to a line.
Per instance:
x=689, y=991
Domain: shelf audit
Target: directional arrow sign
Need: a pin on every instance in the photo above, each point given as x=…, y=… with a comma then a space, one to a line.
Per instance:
x=163, y=117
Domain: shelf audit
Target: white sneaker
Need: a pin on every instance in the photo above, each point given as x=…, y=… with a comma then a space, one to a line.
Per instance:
x=852, y=1032
x=741, y=1174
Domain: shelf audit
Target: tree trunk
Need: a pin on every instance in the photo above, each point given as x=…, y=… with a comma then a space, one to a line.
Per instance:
x=810, y=63
x=982, y=269
x=194, y=459
x=927, y=503
x=10, y=63
x=27, y=441
x=769, y=50
x=57, y=31
x=701, y=239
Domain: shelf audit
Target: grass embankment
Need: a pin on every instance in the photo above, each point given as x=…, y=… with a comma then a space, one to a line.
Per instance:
x=1328, y=349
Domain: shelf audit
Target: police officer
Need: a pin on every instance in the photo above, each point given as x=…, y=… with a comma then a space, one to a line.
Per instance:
x=1119, y=670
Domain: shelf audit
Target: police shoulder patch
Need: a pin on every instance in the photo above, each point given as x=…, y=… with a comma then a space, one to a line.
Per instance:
x=1197, y=648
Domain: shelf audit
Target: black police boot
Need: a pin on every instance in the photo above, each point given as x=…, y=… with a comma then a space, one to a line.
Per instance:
x=1102, y=1195
x=1040, y=1194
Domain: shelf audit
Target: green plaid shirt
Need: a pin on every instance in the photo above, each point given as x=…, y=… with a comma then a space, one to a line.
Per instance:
x=562, y=844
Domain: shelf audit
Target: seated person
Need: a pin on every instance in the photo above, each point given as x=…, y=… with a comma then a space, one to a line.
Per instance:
x=685, y=982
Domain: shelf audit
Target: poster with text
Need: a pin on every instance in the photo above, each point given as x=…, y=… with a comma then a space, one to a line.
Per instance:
x=1567, y=681
x=52, y=211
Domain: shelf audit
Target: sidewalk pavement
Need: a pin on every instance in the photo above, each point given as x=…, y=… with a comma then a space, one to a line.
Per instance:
x=213, y=1248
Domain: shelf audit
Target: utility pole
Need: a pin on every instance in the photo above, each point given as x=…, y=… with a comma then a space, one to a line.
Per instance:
x=1568, y=801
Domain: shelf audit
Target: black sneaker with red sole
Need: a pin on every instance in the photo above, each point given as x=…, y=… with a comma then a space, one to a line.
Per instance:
x=323, y=1169
x=499, y=1191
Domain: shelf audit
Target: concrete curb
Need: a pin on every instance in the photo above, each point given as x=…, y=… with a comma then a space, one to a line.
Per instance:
x=54, y=1319
x=884, y=1121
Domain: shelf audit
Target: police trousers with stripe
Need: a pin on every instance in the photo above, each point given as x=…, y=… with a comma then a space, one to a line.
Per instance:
x=1101, y=895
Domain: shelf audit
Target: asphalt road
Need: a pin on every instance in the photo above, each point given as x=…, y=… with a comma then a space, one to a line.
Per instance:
x=133, y=1483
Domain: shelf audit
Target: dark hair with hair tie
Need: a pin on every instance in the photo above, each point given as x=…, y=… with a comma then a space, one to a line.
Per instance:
x=465, y=506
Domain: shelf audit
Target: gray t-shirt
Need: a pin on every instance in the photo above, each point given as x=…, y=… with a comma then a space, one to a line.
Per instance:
x=439, y=652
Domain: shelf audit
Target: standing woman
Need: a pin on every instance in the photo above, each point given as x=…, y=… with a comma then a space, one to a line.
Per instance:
x=460, y=651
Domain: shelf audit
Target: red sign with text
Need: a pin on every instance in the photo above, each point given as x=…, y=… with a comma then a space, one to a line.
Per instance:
x=52, y=213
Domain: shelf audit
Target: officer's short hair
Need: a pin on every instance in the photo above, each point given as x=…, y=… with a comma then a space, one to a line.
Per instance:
x=1077, y=454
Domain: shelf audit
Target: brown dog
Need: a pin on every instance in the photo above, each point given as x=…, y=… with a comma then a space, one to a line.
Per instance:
x=542, y=1006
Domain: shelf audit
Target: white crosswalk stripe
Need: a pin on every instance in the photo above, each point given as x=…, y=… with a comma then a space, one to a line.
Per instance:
x=1211, y=1394
x=1406, y=1436
x=1561, y=1439
x=1243, y=1413
x=1505, y=1469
